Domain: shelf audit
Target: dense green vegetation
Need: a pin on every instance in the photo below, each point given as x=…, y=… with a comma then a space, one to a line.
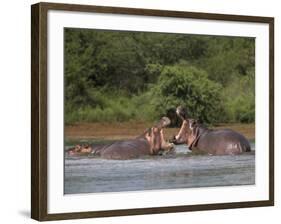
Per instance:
x=121, y=76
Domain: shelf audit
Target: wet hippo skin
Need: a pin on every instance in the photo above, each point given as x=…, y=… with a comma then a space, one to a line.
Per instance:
x=151, y=142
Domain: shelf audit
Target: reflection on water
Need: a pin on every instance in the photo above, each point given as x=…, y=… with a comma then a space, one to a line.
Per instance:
x=90, y=175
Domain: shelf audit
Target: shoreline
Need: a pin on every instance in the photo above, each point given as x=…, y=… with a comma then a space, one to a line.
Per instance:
x=128, y=130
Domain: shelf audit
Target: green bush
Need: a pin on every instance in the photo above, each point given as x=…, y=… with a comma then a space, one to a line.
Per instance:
x=117, y=76
x=188, y=86
x=239, y=100
x=180, y=84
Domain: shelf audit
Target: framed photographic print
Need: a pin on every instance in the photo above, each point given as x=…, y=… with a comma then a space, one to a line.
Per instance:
x=140, y=111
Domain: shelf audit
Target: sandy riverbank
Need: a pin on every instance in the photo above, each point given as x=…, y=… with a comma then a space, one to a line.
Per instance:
x=127, y=130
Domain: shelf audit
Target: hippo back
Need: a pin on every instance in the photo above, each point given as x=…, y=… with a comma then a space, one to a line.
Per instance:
x=127, y=149
x=221, y=142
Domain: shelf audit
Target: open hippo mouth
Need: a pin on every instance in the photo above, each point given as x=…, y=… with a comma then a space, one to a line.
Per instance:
x=166, y=146
x=151, y=142
x=181, y=112
x=157, y=141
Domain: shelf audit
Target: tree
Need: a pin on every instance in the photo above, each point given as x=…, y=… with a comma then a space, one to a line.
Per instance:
x=190, y=87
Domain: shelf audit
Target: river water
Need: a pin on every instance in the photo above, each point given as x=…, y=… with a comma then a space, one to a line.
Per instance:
x=181, y=170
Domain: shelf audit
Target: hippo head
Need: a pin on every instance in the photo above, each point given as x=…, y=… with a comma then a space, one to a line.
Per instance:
x=80, y=150
x=155, y=138
x=188, y=134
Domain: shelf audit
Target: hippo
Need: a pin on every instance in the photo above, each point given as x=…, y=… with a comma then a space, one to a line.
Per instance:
x=213, y=142
x=151, y=142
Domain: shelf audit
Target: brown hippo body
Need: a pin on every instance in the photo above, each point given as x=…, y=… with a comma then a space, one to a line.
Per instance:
x=214, y=142
x=151, y=142
x=221, y=142
x=128, y=149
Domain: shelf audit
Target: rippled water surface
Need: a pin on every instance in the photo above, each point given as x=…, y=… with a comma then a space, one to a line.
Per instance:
x=182, y=170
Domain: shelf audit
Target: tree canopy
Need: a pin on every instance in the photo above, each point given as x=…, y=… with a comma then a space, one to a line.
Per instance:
x=120, y=76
